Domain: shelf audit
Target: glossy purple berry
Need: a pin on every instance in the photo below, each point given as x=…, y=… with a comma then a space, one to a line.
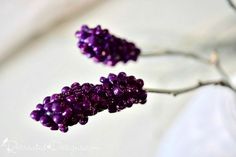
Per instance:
x=47, y=106
x=101, y=46
x=46, y=100
x=63, y=129
x=40, y=107
x=65, y=89
x=67, y=113
x=35, y=115
x=57, y=107
x=54, y=127
x=45, y=120
x=58, y=119
x=83, y=120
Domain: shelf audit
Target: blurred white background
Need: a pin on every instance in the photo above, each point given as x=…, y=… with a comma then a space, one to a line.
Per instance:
x=38, y=55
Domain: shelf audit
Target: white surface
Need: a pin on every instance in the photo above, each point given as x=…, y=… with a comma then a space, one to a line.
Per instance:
x=24, y=20
x=205, y=128
x=52, y=61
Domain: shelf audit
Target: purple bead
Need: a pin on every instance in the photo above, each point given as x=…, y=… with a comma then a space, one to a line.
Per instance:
x=86, y=105
x=46, y=100
x=65, y=89
x=39, y=107
x=112, y=77
x=48, y=106
x=95, y=98
x=143, y=95
x=117, y=91
x=112, y=109
x=102, y=79
x=71, y=98
x=77, y=106
x=140, y=82
x=49, y=113
x=121, y=75
x=143, y=101
x=67, y=113
x=45, y=120
x=86, y=87
x=54, y=127
x=58, y=119
x=35, y=115
x=83, y=120
x=55, y=97
x=85, y=28
x=75, y=85
x=57, y=107
x=91, y=111
x=63, y=129
x=73, y=120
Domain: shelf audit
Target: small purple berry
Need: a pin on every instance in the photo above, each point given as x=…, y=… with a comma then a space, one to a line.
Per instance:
x=83, y=120
x=45, y=120
x=86, y=105
x=63, y=129
x=35, y=115
x=54, y=127
x=70, y=98
x=58, y=119
x=117, y=91
x=57, y=107
x=46, y=100
x=65, y=89
x=47, y=106
x=55, y=97
x=39, y=107
x=75, y=85
x=67, y=113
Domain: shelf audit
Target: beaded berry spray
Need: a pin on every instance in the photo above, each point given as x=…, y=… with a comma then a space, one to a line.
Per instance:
x=76, y=103
x=104, y=47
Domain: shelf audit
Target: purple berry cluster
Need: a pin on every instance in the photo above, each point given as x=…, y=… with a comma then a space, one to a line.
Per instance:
x=99, y=44
x=76, y=103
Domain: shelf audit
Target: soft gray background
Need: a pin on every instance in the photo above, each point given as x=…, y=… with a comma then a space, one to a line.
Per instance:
x=38, y=55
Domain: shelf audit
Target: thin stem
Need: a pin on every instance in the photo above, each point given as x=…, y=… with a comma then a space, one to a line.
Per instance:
x=231, y=4
x=176, y=53
x=176, y=92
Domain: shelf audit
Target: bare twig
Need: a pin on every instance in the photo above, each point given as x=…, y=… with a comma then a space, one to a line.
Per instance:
x=231, y=4
x=176, y=53
x=176, y=92
x=213, y=60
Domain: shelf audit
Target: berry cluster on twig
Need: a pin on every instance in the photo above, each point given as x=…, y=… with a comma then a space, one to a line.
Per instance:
x=76, y=103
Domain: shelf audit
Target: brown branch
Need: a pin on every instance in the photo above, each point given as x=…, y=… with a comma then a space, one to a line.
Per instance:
x=176, y=92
